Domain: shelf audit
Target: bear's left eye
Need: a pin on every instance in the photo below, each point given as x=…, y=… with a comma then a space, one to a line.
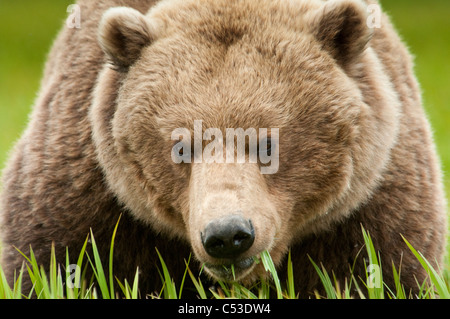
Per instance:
x=178, y=148
x=265, y=146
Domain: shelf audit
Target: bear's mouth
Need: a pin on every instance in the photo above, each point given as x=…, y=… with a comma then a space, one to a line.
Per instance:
x=232, y=270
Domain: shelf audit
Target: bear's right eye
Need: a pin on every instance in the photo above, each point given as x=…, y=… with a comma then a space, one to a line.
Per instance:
x=178, y=148
x=181, y=152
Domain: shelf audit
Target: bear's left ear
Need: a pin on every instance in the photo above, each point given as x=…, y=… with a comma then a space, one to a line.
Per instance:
x=123, y=32
x=340, y=26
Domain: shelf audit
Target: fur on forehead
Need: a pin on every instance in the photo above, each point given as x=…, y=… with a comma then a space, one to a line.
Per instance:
x=339, y=25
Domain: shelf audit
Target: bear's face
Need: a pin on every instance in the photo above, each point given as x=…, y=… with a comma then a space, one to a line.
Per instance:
x=186, y=73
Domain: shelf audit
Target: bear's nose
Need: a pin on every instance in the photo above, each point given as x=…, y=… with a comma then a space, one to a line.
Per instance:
x=228, y=237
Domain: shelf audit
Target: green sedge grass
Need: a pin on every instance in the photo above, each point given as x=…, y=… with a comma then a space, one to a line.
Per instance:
x=54, y=284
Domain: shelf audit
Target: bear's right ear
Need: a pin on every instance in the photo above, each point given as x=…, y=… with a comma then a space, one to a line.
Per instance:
x=123, y=32
x=340, y=26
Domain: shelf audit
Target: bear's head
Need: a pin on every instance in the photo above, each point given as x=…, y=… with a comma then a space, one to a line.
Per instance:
x=241, y=126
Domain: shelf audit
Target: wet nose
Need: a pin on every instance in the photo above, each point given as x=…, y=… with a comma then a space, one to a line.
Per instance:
x=228, y=237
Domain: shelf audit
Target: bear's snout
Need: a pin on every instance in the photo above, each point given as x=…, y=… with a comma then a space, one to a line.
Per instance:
x=231, y=219
x=228, y=237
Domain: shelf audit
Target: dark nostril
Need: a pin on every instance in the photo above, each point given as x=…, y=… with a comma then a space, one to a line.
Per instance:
x=228, y=237
x=240, y=237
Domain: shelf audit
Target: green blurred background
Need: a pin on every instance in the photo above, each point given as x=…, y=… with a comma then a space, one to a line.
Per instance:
x=28, y=27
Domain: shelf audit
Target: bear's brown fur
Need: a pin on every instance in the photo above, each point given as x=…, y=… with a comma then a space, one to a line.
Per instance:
x=354, y=148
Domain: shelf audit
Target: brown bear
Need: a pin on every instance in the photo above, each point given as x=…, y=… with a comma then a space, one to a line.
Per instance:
x=124, y=126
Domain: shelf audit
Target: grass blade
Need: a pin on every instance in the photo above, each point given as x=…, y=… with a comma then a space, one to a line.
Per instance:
x=269, y=266
x=5, y=289
x=111, y=257
x=400, y=290
x=326, y=281
x=226, y=291
x=72, y=288
x=435, y=278
x=98, y=270
x=184, y=276
x=290, y=278
x=375, y=290
x=169, y=284
x=135, y=289
x=197, y=283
